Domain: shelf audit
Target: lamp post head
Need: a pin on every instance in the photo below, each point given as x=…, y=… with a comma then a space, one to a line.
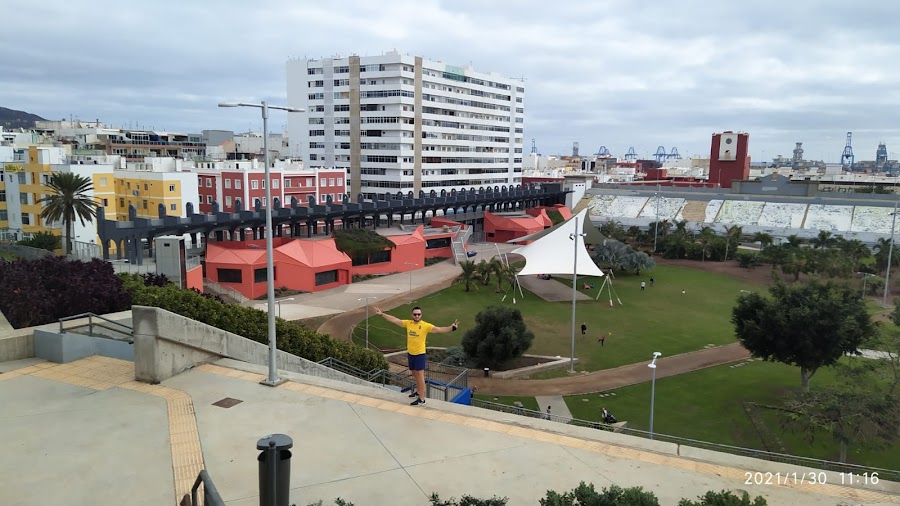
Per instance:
x=656, y=354
x=229, y=104
x=294, y=109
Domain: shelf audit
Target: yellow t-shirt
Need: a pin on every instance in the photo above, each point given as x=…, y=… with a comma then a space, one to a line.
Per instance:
x=416, y=332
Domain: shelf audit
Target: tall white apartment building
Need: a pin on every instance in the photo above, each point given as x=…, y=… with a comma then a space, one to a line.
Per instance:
x=399, y=123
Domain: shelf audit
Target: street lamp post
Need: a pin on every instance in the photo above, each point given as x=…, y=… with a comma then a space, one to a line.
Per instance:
x=573, y=237
x=656, y=225
x=367, y=317
x=410, y=278
x=273, y=379
x=887, y=272
x=652, y=366
x=279, y=304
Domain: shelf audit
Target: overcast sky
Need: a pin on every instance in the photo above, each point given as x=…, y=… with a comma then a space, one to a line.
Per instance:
x=614, y=73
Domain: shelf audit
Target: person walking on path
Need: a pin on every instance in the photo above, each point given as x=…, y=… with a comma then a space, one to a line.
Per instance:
x=583, y=329
x=416, y=332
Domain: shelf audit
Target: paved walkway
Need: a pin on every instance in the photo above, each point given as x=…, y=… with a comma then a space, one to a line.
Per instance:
x=128, y=442
x=556, y=404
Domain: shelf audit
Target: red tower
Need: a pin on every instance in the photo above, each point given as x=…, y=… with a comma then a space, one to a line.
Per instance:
x=728, y=158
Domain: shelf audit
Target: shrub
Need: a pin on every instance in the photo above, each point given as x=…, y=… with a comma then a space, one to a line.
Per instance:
x=584, y=495
x=748, y=260
x=724, y=498
x=360, y=242
x=42, y=240
x=35, y=292
x=250, y=323
x=499, y=335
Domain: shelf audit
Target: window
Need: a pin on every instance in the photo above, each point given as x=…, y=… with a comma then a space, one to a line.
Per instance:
x=264, y=203
x=259, y=275
x=173, y=207
x=309, y=181
x=263, y=184
x=332, y=198
x=145, y=186
x=23, y=198
x=340, y=181
x=443, y=242
x=227, y=183
x=323, y=198
x=372, y=258
x=26, y=219
x=227, y=201
x=340, y=197
x=254, y=185
x=322, y=181
x=230, y=275
x=171, y=187
x=102, y=181
x=3, y=215
x=21, y=177
x=274, y=184
x=331, y=181
x=209, y=182
x=209, y=199
x=128, y=185
x=237, y=184
x=287, y=183
x=324, y=278
x=237, y=203
x=105, y=202
x=2, y=195
x=145, y=204
x=121, y=202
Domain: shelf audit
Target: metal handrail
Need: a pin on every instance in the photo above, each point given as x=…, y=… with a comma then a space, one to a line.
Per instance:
x=90, y=317
x=211, y=496
x=827, y=465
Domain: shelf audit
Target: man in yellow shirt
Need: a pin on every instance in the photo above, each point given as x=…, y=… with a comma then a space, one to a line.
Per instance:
x=416, y=332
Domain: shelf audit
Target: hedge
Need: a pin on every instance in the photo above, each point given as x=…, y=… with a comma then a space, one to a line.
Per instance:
x=250, y=323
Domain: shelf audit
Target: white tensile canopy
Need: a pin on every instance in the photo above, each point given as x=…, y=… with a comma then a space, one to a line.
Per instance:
x=554, y=252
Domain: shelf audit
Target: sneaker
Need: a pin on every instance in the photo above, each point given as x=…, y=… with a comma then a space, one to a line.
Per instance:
x=417, y=402
x=413, y=394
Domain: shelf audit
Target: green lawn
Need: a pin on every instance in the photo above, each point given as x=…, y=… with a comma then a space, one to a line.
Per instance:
x=6, y=256
x=656, y=319
x=708, y=405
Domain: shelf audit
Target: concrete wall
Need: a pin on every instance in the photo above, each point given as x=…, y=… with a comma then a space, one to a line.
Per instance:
x=166, y=344
x=64, y=348
x=26, y=252
x=16, y=345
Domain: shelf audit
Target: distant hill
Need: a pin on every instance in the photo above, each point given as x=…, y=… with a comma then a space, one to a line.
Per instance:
x=10, y=118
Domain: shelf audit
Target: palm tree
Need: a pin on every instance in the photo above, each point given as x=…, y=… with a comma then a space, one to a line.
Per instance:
x=824, y=240
x=763, y=239
x=705, y=237
x=732, y=235
x=68, y=201
x=469, y=274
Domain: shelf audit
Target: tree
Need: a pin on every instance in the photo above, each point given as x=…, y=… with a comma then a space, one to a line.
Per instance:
x=824, y=240
x=484, y=270
x=638, y=260
x=705, y=236
x=733, y=236
x=860, y=409
x=69, y=200
x=469, y=274
x=499, y=335
x=762, y=238
x=808, y=325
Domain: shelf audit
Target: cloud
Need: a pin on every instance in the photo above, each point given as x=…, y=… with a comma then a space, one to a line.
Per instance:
x=616, y=73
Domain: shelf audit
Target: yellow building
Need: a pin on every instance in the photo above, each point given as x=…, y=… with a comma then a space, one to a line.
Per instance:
x=23, y=186
x=147, y=190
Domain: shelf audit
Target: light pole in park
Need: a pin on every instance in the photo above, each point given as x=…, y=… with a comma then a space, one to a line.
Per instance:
x=652, y=366
x=367, y=317
x=279, y=301
x=887, y=272
x=410, y=278
x=273, y=379
x=574, y=238
x=656, y=225
x=865, y=278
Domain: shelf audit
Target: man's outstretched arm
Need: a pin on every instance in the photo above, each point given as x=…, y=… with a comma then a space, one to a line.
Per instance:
x=448, y=328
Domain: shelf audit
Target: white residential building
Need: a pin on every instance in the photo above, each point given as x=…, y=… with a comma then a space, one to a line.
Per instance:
x=399, y=123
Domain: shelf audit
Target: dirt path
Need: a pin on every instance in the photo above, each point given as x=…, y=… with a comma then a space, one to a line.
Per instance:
x=612, y=378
